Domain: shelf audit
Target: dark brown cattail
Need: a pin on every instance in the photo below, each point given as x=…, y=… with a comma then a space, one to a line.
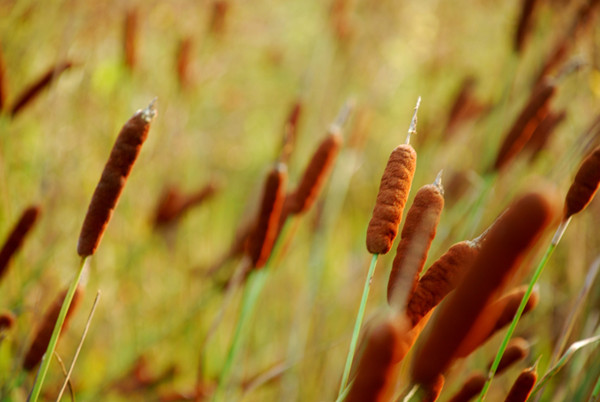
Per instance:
x=470, y=389
x=28, y=95
x=173, y=204
x=461, y=321
x=417, y=234
x=522, y=129
x=523, y=386
x=315, y=174
x=7, y=320
x=183, y=62
x=17, y=236
x=524, y=25
x=220, y=8
x=376, y=375
x=542, y=133
x=3, y=87
x=464, y=107
x=585, y=185
x=441, y=278
x=130, y=29
x=122, y=157
x=431, y=392
x=516, y=350
x=263, y=238
x=44, y=332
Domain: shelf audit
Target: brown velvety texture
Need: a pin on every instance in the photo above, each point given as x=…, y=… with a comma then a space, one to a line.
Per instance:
x=17, y=236
x=265, y=231
x=114, y=176
x=417, y=234
x=462, y=321
x=391, y=199
x=470, y=389
x=585, y=185
x=44, y=332
x=523, y=386
x=440, y=279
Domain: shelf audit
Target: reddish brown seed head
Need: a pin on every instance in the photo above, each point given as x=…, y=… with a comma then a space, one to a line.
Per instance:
x=130, y=38
x=417, y=234
x=184, y=55
x=16, y=237
x=44, y=331
x=114, y=176
x=523, y=386
x=262, y=240
x=524, y=25
x=585, y=185
x=7, y=320
x=441, y=278
x=470, y=389
x=460, y=321
x=522, y=129
x=218, y=16
x=431, y=392
x=391, y=199
x=543, y=132
x=516, y=350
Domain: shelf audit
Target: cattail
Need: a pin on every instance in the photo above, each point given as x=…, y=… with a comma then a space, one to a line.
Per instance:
x=17, y=236
x=584, y=185
x=7, y=320
x=393, y=193
x=524, y=25
x=265, y=232
x=522, y=129
x=28, y=95
x=431, y=392
x=122, y=157
x=470, y=389
x=542, y=133
x=441, y=278
x=44, y=332
x=183, y=62
x=130, y=39
x=220, y=8
x=415, y=239
x=516, y=350
x=464, y=107
x=173, y=204
x=461, y=321
x=3, y=88
x=376, y=375
x=523, y=386
x=290, y=131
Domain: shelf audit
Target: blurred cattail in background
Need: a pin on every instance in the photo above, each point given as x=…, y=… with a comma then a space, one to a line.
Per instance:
x=16, y=237
x=130, y=39
x=585, y=185
x=470, y=389
x=523, y=386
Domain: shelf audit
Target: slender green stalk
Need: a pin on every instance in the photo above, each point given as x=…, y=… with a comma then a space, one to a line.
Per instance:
x=43, y=370
x=596, y=391
x=358, y=324
x=256, y=281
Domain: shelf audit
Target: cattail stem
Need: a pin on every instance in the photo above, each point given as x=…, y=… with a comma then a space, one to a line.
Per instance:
x=252, y=290
x=358, y=324
x=513, y=324
x=43, y=370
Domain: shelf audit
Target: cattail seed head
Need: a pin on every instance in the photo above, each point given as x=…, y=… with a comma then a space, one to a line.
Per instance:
x=523, y=386
x=183, y=59
x=130, y=39
x=524, y=25
x=433, y=390
x=461, y=322
x=122, y=157
x=17, y=236
x=516, y=350
x=415, y=239
x=265, y=232
x=7, y=320
x=585, y=185
x=391, y=199
x=44, y=331
x=470, y=389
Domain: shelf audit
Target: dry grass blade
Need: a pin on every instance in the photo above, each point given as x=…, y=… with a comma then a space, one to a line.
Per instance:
x=17, y=236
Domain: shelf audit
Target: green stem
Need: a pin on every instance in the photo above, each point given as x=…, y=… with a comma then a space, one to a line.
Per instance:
x=596, y=391
x=47, y=358
x=358, y=324
x=252, y=290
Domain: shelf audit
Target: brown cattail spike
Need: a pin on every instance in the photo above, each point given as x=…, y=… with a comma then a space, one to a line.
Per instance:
x=461, y=321
x=130, y=39
x=44, y=332
x=184, y=55
x=523, y=386
x=290, y=131
x=585, y=185
x=17, y=236
x=415, y=240
x=7, y=320
x=393, y=193
x=122, y=157
x=29, y=94
x=431, y=392
x=524, y=25
x=470, y=389
x=516, y=350
x=262, y=240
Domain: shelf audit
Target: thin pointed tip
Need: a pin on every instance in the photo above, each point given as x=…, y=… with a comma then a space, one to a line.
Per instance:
x=438, y=181
x=150, y=111
x=344, y=113
x=413, y=123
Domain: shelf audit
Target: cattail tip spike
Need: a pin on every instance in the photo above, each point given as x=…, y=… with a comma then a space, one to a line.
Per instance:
x=149, y=112
x=438, y=181
x=413, y=122
x=343, y=114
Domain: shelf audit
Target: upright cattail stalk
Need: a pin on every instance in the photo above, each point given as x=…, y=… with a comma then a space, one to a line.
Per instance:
x=523, y=386
x=415, y=240
x=42, y=337
x=28, y=95
x=461, y=321
x=263, y=238
x=393, y=193
x=17, y=236
x=130, y=34
x=114, y=176
x=523, y=127
x=524, y=24
x=472, y=386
